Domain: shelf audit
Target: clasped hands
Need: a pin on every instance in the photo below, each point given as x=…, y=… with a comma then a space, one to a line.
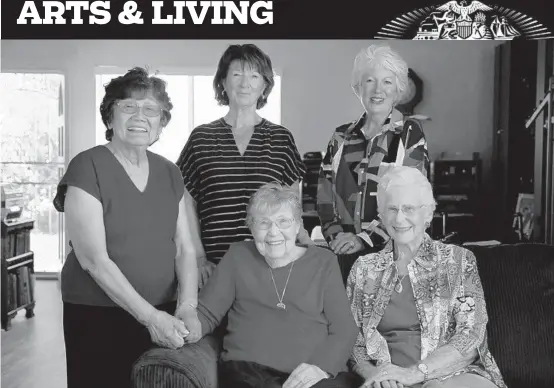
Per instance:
x=175, y=331
x=346, y=243
x=391, y=376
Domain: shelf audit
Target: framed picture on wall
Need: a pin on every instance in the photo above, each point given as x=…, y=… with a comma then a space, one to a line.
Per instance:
x=414, y=96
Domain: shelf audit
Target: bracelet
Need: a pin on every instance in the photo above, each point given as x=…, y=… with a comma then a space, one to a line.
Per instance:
x=190, y=304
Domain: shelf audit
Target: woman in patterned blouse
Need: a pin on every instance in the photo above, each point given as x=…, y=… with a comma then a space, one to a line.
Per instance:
x=361, y=151
x=418, y=303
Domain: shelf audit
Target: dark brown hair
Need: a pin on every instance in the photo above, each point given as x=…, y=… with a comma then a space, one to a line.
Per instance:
x=248, y=55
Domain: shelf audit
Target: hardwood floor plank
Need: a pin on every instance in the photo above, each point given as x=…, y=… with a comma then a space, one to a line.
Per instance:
x=33, y=352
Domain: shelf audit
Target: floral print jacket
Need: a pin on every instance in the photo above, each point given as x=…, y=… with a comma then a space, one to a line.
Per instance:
x=449, y=301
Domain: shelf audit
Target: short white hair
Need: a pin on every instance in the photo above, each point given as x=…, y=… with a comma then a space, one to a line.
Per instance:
x=380, y=55
x=271, y=197
x=410, y=178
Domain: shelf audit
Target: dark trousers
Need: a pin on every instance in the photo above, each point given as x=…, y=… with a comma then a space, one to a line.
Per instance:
x=102, y=343
x=244, y=374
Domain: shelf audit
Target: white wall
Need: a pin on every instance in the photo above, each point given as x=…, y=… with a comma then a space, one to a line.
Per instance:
x=316, y=96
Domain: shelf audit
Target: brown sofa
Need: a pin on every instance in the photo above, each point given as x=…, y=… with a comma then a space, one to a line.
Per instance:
x=518, y=282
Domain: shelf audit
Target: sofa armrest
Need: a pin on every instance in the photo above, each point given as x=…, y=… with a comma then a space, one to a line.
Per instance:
x=193, y=365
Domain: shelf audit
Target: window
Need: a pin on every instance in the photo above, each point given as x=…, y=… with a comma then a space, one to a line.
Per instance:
x=193, y=104
x=32, y=158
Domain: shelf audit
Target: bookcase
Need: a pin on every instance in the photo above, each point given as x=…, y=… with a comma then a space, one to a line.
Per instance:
x=17, y=270
x=456, y=185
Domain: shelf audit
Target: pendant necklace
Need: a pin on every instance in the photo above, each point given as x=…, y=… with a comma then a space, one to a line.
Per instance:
x=398, y=287
x=281, y=305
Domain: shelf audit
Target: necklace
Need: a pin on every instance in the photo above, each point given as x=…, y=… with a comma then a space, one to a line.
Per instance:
x=398, y=287
x=281, y=305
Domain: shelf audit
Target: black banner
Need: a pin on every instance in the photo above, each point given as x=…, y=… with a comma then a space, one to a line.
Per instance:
x=279, y=19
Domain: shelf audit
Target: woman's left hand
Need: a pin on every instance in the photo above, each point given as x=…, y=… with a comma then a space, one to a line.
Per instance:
x=404, y=376
x=346, y=243
x=189, y=316
x=304, y=376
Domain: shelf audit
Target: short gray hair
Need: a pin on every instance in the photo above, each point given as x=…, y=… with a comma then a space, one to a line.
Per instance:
x=270, y=197
x=380, y=55
x=405, y=176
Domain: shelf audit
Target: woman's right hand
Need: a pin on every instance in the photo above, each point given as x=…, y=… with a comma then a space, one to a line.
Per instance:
x=166, y=330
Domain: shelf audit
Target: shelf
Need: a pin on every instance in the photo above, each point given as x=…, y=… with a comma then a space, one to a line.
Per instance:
x=20, y=264
x=449, y=215
x=22, y=307
x=30, y=253
x=17, y=281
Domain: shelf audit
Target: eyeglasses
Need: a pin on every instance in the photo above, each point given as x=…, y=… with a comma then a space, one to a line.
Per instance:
x=132, y=107
x=408, y=210
x=282, y=223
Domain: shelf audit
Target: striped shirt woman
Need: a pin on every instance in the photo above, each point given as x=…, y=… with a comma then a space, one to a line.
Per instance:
x=221, y=179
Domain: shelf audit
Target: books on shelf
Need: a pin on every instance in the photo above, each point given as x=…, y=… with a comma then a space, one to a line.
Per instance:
x=20, y=288
x=16, y=244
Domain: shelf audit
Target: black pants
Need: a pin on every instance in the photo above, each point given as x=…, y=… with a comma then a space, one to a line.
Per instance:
x=244, y=374
x=102, y=343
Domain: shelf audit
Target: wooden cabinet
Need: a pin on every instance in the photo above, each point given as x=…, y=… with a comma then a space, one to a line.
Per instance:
x=17, y=270
x=457, y=186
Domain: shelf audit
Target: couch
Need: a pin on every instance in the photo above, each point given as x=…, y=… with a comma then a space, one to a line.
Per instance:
x=518, y=282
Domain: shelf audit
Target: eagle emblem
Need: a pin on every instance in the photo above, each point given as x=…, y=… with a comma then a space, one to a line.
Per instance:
x=458, y=20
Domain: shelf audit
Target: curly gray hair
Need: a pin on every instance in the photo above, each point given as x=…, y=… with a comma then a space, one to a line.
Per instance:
x=271, y=197
x=384, y=56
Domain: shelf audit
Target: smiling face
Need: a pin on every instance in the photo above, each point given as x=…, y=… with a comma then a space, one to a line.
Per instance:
x=378, y=90
x=272, y=241
x=140, y=128
x=244, y=85
x=404, y=215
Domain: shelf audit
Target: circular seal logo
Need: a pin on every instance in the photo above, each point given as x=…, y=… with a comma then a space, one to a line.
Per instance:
x=463, y=20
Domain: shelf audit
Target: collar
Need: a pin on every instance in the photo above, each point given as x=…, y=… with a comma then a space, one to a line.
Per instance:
x=426, y=256
x=394, y=122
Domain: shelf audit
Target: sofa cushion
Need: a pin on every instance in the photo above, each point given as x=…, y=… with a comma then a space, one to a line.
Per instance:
x=518, y=283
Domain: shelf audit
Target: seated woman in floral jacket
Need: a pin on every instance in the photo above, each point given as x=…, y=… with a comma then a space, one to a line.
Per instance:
x=418, y=303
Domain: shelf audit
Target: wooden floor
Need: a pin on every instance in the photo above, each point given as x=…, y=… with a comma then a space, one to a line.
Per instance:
x=33, y=353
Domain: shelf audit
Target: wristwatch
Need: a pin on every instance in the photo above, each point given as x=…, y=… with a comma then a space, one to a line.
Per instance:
x=423, y=369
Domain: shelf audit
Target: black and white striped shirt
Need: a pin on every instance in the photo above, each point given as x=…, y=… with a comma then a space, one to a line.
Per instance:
x=221, y=181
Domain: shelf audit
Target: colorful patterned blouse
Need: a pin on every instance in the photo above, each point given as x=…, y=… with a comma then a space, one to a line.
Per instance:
x=350, y=172
x=449, y=300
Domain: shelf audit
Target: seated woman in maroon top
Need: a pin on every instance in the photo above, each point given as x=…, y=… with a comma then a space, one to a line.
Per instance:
x=289, y=322
x=131, y=255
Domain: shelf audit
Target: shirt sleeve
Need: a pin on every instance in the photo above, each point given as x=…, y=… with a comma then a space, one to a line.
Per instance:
x=416, y=153
x=332, y=355
x=188, y=166
x=177, y=181
x=217, y=296
x=326, y=196
x=81, y=172
x=295, y=169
